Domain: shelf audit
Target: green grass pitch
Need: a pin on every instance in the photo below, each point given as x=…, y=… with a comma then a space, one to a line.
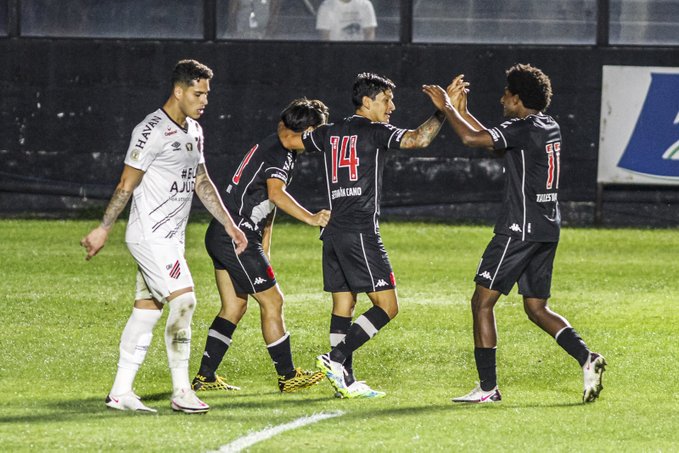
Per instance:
x=62, y=318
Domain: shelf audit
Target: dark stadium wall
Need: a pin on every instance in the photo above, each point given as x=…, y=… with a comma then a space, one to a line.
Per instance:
x=68, y=108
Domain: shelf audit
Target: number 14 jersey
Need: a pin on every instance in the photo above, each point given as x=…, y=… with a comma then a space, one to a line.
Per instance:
x=353, y=153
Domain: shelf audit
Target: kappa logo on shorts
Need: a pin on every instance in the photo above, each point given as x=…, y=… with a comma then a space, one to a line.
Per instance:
x=486, y=275
x=175, y=270
x=259, y=281
x=515, y=227
x=381, y=283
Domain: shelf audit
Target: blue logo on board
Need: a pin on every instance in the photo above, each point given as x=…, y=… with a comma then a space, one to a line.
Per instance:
x=653, y=148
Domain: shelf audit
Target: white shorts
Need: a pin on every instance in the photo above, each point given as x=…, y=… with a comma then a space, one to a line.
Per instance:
x=162, y=269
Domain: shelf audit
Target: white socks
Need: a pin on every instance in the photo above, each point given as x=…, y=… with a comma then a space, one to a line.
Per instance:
x=134, y=343
x=178, y=338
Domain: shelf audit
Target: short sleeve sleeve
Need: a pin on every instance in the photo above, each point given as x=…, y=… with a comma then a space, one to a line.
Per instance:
x=507, y=135
x=143, y=147
x=388, y=136
x=313, y=140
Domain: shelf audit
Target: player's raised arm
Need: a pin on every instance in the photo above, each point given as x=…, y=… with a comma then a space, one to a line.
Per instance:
x=96, y=239
x=425, y=134
x=470, y=136
x=208, y=195
x=282, y=199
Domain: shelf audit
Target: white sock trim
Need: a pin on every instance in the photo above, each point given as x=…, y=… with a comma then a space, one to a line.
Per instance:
x=336, y=338
x=366, y=325
x=279, y=341
x=223, y=338
x=560, y=331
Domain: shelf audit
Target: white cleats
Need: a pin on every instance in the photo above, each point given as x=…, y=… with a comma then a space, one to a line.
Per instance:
x=127, y=402
x=593, y=371
x=480, y=396
x=359, y=389
x=185, y=400
x=334, y=371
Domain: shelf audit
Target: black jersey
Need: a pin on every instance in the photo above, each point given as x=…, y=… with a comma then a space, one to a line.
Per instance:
x=353, y=153
x=532, y=162
x=247, y=198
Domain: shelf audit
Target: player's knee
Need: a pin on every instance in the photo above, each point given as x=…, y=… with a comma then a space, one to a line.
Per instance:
x=181, y=311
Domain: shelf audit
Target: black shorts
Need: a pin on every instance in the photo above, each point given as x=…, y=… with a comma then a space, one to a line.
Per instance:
x=355, y=262
x=250, y=271
x=508, y=260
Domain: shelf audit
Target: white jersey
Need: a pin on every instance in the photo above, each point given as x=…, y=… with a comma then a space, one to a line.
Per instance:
x=169, y=156
x=346, y=20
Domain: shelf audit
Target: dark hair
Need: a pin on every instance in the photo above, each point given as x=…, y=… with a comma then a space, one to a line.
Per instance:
x=303, y=113
x=369, y=84
x=531, y=84
x=188, y=71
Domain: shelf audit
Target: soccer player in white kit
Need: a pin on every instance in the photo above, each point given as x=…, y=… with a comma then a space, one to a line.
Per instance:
x=164, y=166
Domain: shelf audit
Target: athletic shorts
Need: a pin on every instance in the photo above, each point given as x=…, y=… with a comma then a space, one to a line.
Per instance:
x=508, y=260
x=161, y=269
x=250, y=271
x=355, y=262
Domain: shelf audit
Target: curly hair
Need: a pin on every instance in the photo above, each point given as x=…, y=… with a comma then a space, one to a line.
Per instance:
x=369, y=84
x=531, y=84
x=188, y=71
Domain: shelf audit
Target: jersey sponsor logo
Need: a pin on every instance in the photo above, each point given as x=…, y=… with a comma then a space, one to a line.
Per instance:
x=175, y=270
x=280, y=175
x=545, y=197
x=495, y=135
x=169, y=131
x=515, y=227
x=653, y=148
x=243, y=164
x=146, y=132
x=188, y=182
x=346, y=192
x=259, y=281
x=486, y=275
x=380, y=283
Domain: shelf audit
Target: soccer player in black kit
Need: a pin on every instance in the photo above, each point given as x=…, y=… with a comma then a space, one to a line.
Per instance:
x=256, y=189
x=527, y=230
x=354, y=258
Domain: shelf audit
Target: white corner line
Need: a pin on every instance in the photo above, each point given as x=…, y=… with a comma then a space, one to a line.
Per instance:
x=247, y=441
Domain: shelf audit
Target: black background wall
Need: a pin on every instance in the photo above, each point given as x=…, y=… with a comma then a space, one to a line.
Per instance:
x=68, y=107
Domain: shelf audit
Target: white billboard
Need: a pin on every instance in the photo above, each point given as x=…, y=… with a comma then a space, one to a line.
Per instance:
x=639, y=134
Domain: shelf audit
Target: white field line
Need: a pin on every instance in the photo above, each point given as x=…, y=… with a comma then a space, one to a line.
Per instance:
x=247, y=441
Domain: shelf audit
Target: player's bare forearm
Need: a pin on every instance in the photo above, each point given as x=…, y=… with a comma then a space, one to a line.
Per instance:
x=95, y=240
x=208, y=195
x=425, y=134
x=118, y=202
